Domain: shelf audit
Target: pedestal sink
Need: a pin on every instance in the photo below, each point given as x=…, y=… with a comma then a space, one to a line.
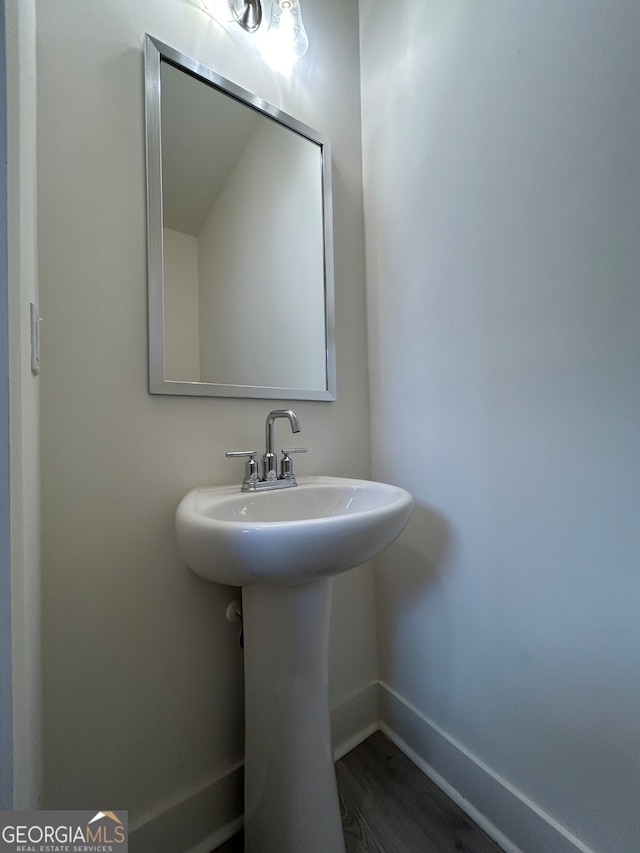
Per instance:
x=283, y=548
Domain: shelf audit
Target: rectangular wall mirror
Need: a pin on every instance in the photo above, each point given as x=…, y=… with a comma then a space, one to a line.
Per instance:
x=240, y=255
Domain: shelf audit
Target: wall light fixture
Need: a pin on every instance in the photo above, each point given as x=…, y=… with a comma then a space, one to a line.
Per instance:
x=248, y=13
x=285, y=39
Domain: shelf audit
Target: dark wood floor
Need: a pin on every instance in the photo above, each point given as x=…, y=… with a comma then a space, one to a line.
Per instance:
x=390, y=806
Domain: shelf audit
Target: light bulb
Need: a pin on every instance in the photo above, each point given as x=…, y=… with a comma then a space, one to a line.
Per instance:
x=287, y=30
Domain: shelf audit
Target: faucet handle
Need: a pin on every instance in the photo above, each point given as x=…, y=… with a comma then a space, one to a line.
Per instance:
x=251, y=466
x=286, y=465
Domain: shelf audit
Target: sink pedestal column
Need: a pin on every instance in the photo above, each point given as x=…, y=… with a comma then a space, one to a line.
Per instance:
x=291, y=798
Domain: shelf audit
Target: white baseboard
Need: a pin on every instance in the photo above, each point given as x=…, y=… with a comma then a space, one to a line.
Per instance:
x=488, y=799
x=354, y=719
x=185, y=825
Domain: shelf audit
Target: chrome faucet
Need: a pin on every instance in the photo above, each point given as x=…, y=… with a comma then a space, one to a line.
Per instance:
x=270, y=460
x=269, y=478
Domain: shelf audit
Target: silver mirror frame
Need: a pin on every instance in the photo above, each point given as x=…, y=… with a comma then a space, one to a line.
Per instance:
x=154, y=52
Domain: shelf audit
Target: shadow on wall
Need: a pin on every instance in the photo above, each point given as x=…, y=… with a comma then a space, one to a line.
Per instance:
x=409, y=575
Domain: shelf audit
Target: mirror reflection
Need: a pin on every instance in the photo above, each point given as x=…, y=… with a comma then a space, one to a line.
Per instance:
x=241, y=293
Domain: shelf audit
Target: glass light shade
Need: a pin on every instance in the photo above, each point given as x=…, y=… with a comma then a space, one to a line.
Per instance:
x=286, y=28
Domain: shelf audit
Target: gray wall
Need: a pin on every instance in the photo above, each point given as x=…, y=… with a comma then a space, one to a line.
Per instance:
x=502, y=217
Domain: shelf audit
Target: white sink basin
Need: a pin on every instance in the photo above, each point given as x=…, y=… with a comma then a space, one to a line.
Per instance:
x=322, y=526
x=282, y=547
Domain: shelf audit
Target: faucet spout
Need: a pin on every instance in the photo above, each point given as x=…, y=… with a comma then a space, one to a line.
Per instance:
x=269, y=428
x=270, y=460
